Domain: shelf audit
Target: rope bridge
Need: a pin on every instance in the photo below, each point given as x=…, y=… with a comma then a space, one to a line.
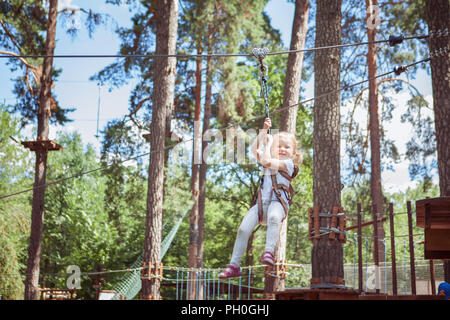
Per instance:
x=201, y=283
x=131, y=284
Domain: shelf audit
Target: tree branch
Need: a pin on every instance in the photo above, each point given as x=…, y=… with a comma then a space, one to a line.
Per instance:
x=149, y=22
x=36, y=72
x=139, y=106
x=10, y=35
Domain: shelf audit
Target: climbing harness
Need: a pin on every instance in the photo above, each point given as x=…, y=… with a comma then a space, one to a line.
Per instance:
x=276, y=187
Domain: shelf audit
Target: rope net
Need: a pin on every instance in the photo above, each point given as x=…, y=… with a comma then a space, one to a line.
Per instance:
x=131, y=284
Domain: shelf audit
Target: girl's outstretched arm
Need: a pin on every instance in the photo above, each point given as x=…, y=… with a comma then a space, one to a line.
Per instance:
x=265, y=157
x=258, y=143
x=260, y=138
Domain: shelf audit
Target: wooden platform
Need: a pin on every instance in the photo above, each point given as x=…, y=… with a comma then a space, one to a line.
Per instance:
x=48, y=145
x=434, y=216
x=345, y=294
x=317, y=294
x=433, y=213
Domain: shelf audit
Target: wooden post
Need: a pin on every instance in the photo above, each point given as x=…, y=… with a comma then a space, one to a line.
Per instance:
x=316, y=223
x=310, y=223
x=375, y=247
x=333, y=225
x=394, y=261
x=360, y=267
x=342, y=225
x=432, y=277
x=411, y=249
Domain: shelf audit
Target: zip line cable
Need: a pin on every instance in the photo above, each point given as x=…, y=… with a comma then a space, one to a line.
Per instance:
x=393, y=40
x=397, y=70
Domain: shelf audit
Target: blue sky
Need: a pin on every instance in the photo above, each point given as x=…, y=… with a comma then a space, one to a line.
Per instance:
x=75, y=90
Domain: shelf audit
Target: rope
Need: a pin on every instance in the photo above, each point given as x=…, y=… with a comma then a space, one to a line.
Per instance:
x=393, y=40
x=170, y=268
x=436, y=53
x=131, y=283
x=260, y=54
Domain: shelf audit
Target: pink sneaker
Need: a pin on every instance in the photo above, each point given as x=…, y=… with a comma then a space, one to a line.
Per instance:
x=230, y=272
x=267, y=258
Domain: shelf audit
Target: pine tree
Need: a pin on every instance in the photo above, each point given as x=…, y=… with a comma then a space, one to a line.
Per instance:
x=289, y=115
x=44, y=113
x=438, y=18
x=163, y=93
x=327, y=256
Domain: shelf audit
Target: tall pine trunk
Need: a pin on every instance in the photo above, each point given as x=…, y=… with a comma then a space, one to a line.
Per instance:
x=376, y=192
x=44, y=113
x=289, y=115
x=163, y=93
x=194, y=214
x=291, y=93
x=438, y=18
x=203, y=165
x=327, y=255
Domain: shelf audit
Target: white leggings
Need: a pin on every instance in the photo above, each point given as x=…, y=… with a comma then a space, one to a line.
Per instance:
x=273, y=215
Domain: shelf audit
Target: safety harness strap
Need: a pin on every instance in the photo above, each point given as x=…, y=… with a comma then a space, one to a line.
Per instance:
x=289, y=191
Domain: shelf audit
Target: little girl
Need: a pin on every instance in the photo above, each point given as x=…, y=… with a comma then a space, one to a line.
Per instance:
x=280, y=160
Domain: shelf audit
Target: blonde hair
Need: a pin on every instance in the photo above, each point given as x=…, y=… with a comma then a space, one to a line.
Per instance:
x=298, y=156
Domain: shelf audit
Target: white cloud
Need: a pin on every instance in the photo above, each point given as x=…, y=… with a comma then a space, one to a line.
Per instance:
x=400, y=133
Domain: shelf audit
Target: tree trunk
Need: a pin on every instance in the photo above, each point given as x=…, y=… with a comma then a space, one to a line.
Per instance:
x=194, y=214
x=44, y=113
x=163, y=93
x=327, y=255
x=203, y=165
x=289, y=115
x=438, y=18
x=374, y=127
x=294, y=67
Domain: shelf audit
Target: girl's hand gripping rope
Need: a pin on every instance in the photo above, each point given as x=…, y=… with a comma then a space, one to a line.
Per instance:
x=267, y=124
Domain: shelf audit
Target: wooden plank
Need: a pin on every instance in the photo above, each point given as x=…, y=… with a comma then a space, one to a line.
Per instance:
x=317, y=294
x=365, y=224
x=360, y=260
x=316, y=222
x=372, y=297
x=393, y=258
x=332, y=235
x=432, y=277
x=375, y=246
x=437, y=255
x=310, y=223
x=342, y=236
x=416, y=297
x=437, y=244
x=48, y=145
x=349, y=294
x=324, y=295
x=437, y=240
x=411, y=249
x=439, y=210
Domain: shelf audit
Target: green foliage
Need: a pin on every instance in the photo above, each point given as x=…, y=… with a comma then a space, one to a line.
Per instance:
x=14, y=211
x=98, y=219
x=76, y=230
